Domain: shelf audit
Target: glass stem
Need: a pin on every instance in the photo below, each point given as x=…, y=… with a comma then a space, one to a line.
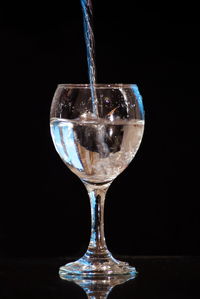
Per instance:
x=97, y=245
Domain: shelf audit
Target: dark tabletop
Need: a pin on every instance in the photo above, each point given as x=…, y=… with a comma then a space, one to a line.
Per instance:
x=158, y=277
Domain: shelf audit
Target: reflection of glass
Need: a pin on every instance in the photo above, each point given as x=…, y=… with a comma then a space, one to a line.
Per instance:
x=99, y=288
x=97, y=150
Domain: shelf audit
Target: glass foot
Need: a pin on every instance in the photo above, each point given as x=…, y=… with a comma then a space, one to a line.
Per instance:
x=96, y=266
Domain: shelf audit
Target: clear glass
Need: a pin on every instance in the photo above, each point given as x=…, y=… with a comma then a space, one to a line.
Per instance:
x=97, y=149
x=99, y=287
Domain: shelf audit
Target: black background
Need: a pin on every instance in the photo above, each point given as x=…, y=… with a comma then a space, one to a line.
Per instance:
x=152, y=208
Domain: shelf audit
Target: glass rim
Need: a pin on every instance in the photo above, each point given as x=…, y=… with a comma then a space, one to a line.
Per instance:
x=97, y=85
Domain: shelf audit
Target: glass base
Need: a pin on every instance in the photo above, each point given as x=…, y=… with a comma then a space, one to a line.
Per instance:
x=96, y=266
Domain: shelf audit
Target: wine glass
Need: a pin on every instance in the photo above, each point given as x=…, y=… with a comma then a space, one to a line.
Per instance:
x=97, y=148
